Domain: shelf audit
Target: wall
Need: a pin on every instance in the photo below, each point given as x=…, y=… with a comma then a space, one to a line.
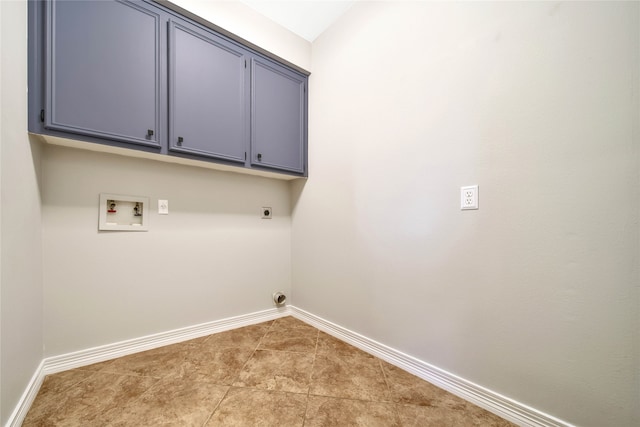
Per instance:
x=20, y=231
x=245, y=22
x=212, y=257
x=535, y=295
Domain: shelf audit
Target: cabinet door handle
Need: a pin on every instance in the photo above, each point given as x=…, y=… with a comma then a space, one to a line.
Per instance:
x=259, y=157
x=149, y=132
x=180, y=140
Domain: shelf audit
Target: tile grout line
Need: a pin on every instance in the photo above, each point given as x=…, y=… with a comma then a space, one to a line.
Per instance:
x=355, y=399
x=280, y=351
x=127, y=374
x=313, y=364
x=252, y=353
x=217, y=406
x=392, y=401
x=74, y=385
x=93, y=374
x=139, y=397
x=158, y=379
x=237, y=377
x=239, y=372
x=388, y=377
x=225, y=393
x=113, y=373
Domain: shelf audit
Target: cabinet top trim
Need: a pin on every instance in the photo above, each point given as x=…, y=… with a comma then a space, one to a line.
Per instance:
x=192, y=16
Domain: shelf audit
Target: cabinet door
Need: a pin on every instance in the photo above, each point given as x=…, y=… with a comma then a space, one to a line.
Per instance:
x=208, y=105
x=103, y=70
x=278, y=117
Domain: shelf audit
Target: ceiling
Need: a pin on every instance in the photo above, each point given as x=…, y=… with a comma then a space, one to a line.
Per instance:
x=306, y=18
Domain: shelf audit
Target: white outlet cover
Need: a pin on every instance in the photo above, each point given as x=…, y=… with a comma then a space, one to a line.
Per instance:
x=163, y=207
x=469, y=197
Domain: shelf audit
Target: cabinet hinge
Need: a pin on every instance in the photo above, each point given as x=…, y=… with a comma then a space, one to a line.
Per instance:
x=245, y=155
x=245, y=63
x=42, y=116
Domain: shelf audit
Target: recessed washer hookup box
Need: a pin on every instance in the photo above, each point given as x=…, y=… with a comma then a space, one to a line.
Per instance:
x=123, y=213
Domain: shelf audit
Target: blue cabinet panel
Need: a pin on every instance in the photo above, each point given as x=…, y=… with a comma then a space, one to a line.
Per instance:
x=150, y=76
x=278, y=118
x=208, y=105
x=103, y=70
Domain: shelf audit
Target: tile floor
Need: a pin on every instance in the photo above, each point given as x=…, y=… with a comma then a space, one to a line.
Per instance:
x=279, y=373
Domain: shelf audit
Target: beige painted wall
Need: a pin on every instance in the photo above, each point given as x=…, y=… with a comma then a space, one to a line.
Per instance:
x=20, y=231
x=212, y=257
x=535, y=295
x=241, y=20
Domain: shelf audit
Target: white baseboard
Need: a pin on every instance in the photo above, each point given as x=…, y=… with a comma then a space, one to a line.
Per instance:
x=27, y=398
x=64, y=362
x=506, y=408
x=111, y=351
x=502, y=406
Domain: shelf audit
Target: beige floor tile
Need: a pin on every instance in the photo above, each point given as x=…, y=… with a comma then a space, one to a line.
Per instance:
x=330, y=345
x=172, y=402
x=420, y=416
x=290, y=322
x=51, y=394
x=485, y=418
x=91, y=402
x=96, y=367
x=407, y=388
x=183, y=384
x=55, y=384
x=277, y=370
x=352, y=377
x=295, y=339
x=244, y=407
x=329, y=412
x=156, y=363
x=246, y=337
x=220, y=366
x=191, y=344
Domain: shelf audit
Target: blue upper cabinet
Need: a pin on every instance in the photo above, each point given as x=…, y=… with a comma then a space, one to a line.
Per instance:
x=103, y=70
x=278, y=119
x=208, y=94
x=150, y=76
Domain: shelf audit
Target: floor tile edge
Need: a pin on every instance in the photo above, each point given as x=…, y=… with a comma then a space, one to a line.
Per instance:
x=89, y=356
x=77, y=359
x=505, y=407
x=502, y=406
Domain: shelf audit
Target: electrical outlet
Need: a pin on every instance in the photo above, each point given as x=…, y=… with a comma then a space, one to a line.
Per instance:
x=267, y=213
x=469, y=197
x=163, y=207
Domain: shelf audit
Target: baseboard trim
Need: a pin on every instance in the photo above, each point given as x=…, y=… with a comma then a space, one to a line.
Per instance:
x=64, y=362
x=89, y=356
x=502, y=406
x=505, y=407
x=27, y=398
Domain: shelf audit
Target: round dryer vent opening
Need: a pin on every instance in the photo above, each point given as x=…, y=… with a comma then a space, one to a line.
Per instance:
x=279, y=298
